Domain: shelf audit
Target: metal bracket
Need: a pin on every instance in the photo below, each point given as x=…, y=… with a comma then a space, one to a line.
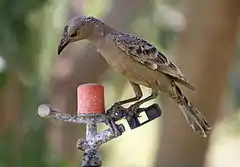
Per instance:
x=152, y=112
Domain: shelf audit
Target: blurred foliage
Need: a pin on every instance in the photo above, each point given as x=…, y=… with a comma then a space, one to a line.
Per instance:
x=96, y=8
x=21, y=22
x=234, y=79
x=19, y=42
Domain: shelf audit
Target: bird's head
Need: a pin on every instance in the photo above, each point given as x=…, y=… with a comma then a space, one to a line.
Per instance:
x=76, y=29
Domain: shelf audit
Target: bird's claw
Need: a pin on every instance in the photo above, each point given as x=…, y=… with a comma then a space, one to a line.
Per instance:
x=116, y=111
x=132, y=111
x=133, y=108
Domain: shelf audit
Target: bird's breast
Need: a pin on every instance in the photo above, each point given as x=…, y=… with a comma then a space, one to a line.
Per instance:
x=118, y=60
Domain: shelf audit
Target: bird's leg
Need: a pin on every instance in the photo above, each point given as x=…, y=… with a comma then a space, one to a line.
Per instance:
x=133, y=108
x=117, y=106
x=138, y=94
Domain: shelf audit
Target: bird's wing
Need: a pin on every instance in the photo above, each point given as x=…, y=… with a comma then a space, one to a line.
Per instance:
x=145, y=53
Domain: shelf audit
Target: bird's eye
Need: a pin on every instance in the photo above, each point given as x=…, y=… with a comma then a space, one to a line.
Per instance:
x=74, y=34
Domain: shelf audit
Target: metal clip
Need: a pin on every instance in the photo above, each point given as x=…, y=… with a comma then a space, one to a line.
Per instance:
x=151, y=112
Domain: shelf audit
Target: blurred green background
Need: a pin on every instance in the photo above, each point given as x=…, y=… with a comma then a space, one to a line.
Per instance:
x=200, y=36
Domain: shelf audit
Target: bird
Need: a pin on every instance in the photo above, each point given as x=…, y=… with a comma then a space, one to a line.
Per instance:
x=139, y=61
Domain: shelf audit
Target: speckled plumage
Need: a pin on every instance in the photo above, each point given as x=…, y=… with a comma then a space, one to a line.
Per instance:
x=145, y=53
x=140, y=62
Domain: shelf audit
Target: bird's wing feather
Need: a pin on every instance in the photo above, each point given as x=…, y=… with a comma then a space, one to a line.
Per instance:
x=145, y=53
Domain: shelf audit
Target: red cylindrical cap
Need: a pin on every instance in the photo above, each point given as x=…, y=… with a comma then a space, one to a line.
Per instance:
x=90, y=99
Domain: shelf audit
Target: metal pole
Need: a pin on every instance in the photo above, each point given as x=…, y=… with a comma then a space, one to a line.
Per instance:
x=91, y=157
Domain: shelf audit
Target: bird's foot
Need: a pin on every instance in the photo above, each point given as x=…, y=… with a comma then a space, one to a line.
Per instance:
x=132, y=111
x=116, y=111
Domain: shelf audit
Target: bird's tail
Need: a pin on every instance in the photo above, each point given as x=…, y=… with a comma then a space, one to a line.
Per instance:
x=194, y=118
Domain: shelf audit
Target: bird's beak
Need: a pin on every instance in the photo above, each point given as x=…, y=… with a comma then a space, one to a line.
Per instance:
x=63, y=43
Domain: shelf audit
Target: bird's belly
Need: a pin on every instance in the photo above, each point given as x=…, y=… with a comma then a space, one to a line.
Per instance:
x=131, y=69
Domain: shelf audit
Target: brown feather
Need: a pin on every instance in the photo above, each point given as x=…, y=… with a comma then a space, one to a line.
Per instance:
x=145, y=53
